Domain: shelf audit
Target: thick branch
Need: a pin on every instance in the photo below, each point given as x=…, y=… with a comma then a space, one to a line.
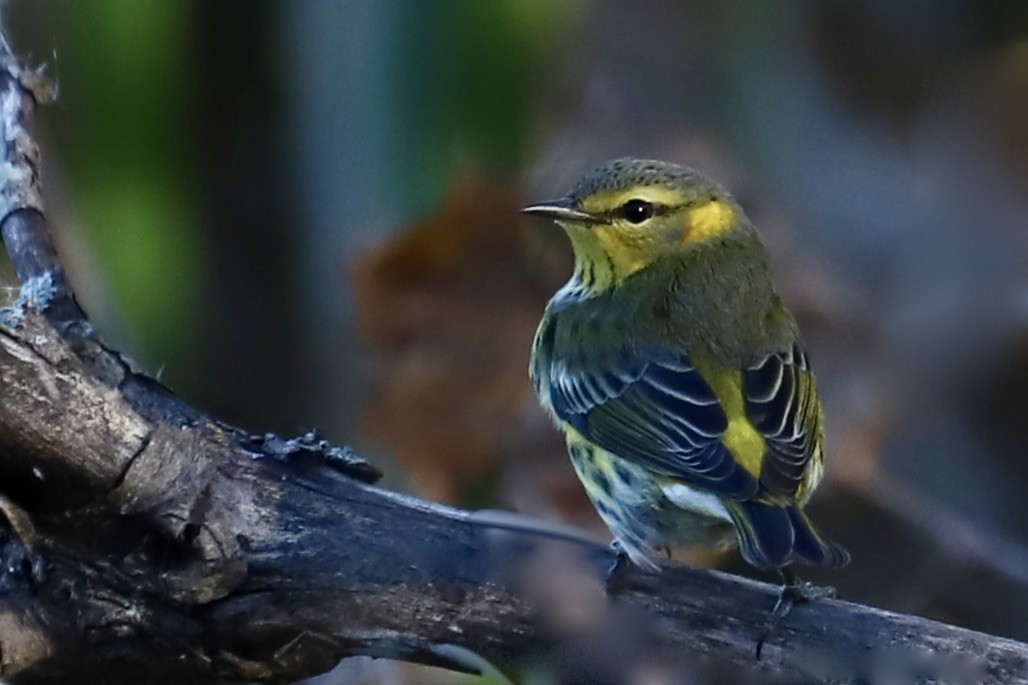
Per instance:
x=263, y=568
x=143, y=542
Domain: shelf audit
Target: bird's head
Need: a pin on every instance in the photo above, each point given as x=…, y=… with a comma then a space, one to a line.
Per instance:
x=629, y=213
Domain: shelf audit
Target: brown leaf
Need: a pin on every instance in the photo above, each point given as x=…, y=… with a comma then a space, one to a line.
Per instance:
x=447, y=312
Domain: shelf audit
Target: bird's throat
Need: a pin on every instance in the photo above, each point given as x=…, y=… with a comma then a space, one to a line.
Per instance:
x=601, y=262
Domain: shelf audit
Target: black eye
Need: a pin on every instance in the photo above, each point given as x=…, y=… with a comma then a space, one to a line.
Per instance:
x=636, y=211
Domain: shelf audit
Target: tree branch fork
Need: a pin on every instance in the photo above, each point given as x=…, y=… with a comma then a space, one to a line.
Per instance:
x=142, y=541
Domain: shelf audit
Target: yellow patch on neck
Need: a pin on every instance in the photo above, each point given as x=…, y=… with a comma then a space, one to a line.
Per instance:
x=708, y=221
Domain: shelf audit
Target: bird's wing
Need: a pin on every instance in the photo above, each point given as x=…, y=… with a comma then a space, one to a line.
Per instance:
x=782, y=404
x=652, y=407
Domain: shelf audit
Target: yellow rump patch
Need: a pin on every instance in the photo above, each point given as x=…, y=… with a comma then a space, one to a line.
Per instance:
x=709, y=221
x=745, y=444
x=743, y=440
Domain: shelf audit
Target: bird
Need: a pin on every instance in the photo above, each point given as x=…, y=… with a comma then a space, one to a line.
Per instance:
x=678, y=376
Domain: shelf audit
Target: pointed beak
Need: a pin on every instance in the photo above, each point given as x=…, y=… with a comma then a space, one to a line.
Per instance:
x=564, y=209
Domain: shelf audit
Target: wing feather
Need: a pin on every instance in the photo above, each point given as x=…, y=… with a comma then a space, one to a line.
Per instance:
x=782, y=404
x=654, y=409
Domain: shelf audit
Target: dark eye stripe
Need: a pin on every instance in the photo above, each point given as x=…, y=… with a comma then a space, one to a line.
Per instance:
x=658, y=210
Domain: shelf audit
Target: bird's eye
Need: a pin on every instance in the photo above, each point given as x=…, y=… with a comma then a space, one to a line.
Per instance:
x=636, y=211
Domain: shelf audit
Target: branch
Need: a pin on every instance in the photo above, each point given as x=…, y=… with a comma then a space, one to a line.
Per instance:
x=143, y=539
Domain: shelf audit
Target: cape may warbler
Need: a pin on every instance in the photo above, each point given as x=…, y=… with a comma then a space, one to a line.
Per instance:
x=677, y=373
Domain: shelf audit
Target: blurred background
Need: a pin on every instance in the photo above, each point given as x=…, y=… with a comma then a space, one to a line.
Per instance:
x=304, y=215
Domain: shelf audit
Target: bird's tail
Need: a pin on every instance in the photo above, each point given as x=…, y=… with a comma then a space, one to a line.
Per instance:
x=773, y=536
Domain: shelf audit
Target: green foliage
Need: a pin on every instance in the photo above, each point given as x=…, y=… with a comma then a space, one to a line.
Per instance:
x=122, y=140
x=467, y=74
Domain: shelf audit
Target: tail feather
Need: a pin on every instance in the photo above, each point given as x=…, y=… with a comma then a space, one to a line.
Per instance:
x=811, y=547
x=772, y=536
x=765, y=533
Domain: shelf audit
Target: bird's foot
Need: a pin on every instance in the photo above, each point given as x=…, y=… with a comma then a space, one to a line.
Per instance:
x=620, y=561
x=794, y=591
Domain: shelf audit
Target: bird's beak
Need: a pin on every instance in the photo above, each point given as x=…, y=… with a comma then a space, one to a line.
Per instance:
x=560, y=210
